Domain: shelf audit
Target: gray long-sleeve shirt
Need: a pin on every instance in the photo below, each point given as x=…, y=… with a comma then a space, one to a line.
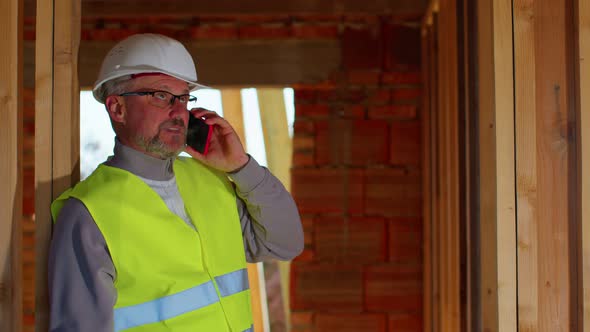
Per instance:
x=81, y=271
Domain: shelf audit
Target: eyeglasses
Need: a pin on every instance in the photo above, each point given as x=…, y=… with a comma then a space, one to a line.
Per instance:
x=162, y=99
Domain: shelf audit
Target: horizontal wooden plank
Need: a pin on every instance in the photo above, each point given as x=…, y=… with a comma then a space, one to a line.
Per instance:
x=227, y=63
x=188, y=8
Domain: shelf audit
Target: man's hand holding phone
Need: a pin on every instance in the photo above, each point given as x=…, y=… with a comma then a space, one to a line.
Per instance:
x=214, y=142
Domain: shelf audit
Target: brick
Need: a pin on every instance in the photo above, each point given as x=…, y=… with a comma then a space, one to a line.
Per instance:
x=402, y=46
x=405, y=145
x=393, y=192
x=302, y=321
x=405, y=240
x=360, y=240
x=264, y=32
x=356, y=142
x=326, y=287
x=308, y=255
x=353, y=112
x=412, y=77
x=405, y=322
x=361, y=49
x=406, y=94
x=305, y=95
x=349, y=322
x=397, y=112
x=380, y=96
x=303, y=143
x=328, y=190
x=393, y=287
x=312, y=111
x=302, y=127
x=214, y=32
x=303, y=158
x=328, y=95
x=365, y=77
x=308, y=232
x=305, y=31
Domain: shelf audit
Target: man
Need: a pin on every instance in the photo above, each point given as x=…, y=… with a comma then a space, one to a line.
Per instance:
x=153, y=242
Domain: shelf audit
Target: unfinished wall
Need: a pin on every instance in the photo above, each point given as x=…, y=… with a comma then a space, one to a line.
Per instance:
x=356, y=166
x=356, y=179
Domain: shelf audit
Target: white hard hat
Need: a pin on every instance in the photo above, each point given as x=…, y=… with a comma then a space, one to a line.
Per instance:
x=147, y=53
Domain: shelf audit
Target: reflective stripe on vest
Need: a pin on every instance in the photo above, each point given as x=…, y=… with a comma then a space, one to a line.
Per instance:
x=170, y=306
x=233, y=282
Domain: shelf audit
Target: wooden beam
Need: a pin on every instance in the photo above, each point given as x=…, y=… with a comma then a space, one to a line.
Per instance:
x=231, y=101
x=497, y=178
x=233, y=63
x=191, y=8
x=427, y=179
x=275, y=129
x=526, y=167
x=57, y=132
x=279, y=154
x=583, y=103
x=11, y=123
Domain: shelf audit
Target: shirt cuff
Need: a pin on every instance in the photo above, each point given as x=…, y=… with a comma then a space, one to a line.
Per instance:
x=249, y=176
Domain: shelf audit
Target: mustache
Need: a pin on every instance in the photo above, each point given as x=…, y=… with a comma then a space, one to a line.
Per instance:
x=173, y=123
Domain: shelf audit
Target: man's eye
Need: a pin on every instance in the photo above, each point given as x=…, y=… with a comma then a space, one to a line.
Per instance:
x=183, y=99
x=160, y=95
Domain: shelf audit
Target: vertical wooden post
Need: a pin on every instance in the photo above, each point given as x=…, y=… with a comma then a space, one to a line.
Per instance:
x=11, y=122
x=426, y=34
x=497, y=180
x=279, y=154
x=583, y=107
x=57, y=131
x=231, y=100
x=526, y=168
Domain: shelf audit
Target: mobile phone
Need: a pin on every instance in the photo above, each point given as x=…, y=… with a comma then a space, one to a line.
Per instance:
x=198, y=135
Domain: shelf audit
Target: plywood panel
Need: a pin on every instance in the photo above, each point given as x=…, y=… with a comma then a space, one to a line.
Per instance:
x=526, y=166
x=11, y=122
x=583, y=65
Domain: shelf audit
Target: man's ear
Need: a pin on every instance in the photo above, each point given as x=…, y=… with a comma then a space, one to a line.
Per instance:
x=116, y=108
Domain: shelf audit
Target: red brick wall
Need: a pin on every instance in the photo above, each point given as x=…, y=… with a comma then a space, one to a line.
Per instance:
x=356, y=167
x=356, y=178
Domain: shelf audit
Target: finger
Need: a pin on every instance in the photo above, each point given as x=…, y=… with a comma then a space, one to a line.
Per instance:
x=203, y=113
x=194, y=153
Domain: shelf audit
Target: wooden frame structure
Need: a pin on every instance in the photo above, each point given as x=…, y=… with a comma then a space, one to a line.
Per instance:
x=11, y=123
x=532, y=250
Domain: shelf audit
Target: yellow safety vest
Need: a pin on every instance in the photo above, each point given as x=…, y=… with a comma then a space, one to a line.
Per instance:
x=169, y=276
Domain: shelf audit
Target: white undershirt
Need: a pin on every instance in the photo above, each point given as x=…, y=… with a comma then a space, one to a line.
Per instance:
x=168, y=191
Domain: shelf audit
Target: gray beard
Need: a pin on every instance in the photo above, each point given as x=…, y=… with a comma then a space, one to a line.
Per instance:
x=156, y=147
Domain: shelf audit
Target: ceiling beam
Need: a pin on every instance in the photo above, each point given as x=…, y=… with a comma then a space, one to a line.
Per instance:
x=228, y=63
x=201, y=8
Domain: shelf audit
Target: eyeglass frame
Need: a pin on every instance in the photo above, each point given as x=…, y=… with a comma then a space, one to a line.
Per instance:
x=171, y=101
